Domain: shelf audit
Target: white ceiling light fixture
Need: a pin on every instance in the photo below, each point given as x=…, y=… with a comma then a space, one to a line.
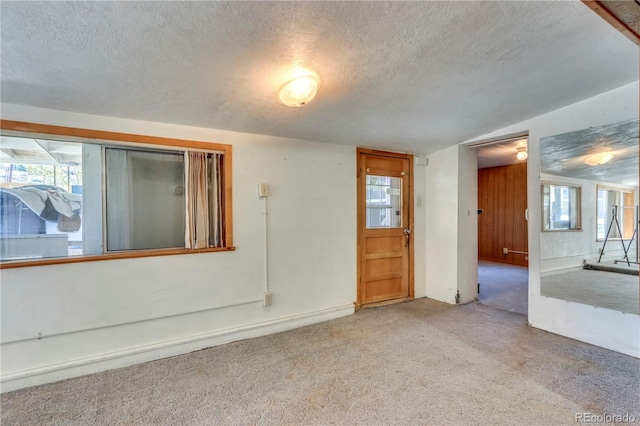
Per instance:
x=299, y=91
x=522, y=153
x=599, y=158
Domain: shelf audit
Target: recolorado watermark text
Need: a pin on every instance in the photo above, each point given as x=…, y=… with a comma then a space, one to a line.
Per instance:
x=605, y=418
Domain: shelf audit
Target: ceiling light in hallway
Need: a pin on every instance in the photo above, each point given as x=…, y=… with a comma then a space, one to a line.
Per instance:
x=522, y=153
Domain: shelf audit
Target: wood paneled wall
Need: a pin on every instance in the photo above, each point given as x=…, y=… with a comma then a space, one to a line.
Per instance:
x=502, y=194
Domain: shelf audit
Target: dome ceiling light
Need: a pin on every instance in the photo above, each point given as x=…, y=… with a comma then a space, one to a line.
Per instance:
x=299, y=91
x=522, y=153
x=598, y=159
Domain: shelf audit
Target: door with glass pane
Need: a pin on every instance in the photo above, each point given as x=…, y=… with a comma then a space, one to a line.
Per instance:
x=384, y=226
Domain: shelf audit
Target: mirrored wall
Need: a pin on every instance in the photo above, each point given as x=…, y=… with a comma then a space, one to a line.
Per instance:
x=589, y=238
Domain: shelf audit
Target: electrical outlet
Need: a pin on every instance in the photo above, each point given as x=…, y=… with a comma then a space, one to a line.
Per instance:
x=505, y=251
x=266, y=299
x=263, y=190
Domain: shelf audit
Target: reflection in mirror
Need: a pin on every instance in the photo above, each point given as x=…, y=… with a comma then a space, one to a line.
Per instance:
x=590, y=204
x=560, y=207
x=620, y=202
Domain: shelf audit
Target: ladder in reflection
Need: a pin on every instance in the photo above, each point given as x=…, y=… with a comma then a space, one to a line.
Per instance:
x=625, y=248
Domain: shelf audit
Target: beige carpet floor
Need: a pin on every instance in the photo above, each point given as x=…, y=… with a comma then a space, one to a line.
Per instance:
x=504, y=286
x=419, y=362
x=620, y=292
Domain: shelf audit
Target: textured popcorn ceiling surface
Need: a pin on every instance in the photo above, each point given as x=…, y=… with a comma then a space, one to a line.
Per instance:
x=404, y=76
x=565, y=154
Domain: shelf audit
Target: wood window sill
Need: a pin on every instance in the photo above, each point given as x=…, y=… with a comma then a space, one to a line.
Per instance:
x=109, y=256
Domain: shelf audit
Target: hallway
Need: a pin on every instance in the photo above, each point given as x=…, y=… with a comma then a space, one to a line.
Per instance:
x=504, y=286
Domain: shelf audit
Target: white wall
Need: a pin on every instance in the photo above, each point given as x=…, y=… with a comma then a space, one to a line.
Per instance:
x=467, y=224
x=603, y=327
x=442, y=225
x=565, y=250
x=451, y=220
x=65, y=320
x=420, y=227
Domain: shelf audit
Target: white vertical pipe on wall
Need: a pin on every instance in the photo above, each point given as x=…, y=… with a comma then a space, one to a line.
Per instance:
x=266, y=245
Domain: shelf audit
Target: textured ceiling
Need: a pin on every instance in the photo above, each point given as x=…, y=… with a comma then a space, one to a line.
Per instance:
x=405, y=76
x=564, y=155
x=500, y=153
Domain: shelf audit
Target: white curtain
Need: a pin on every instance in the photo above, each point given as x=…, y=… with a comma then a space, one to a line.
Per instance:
x=197, y=200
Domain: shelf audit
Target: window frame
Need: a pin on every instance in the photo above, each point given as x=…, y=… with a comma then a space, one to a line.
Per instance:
x=579, y=203
x=73, y=134
x=622, y=189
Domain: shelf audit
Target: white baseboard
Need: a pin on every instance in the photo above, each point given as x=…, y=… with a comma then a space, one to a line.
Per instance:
x=125, y=358
x=558, y=271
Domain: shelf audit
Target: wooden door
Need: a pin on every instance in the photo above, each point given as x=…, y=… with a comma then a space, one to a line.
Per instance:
x=385, y=259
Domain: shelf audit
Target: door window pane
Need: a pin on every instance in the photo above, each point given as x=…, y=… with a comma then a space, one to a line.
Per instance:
x=145, y=199
x=384, y=202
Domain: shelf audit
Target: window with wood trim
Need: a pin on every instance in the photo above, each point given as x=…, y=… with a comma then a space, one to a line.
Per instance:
x=62, y=199
x=616, y=210
x=561, y=207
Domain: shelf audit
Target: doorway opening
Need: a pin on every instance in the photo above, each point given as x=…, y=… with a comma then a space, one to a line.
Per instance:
x=385, y=225
x=503, y=258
